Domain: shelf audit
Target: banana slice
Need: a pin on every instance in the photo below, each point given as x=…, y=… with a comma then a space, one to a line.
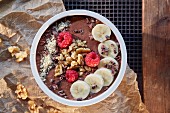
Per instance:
x=109, y=63
x=100, y=32
x=95, y=82
x=108, y=48
x=80, y=89
x=106, y=74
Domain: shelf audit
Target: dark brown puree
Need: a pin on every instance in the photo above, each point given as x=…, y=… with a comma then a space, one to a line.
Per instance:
x=77, y=22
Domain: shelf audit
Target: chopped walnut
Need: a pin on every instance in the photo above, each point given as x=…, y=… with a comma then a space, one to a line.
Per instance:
x=65, y=63
x=0, y=40
x=33, y=107
x=68, y=60
x=64, y=51
x=81, y=43
x=81, y=73
x=87, y=68
x=21, y=91
x=81, y=69
x=82, y=50
x=80, y=59
x=52, y=110
x=72, y=47
x=13, y=50
x=21, y=56
x=74, y=55
x=60, y=57
x=74, y=64
x=58, y=70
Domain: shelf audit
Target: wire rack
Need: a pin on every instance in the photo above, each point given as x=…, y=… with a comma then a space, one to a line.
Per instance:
x=127, y=17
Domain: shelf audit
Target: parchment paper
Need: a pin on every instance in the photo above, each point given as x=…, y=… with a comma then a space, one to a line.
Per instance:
x=20, y=20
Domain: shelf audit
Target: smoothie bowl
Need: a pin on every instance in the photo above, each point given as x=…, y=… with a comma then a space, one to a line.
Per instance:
x=78, y=58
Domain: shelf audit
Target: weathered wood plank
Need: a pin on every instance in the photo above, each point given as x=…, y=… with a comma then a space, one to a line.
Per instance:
x=156, y=55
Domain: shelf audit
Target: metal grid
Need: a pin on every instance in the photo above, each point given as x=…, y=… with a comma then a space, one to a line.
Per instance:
x=127, y=17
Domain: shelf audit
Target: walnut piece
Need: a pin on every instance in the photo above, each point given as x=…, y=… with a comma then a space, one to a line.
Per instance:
x=74, y=55
x=52, y=110
x=74, y=64
x=21, y=56
x=21, y=91
x=81, y=69
x=72, y=47
x=81, y=43
x=60, y=57
x=81, y=73
x=87, y=68
x=58, y=70
x=68, y=60
x=0, y=40
x=82, y=50
x=80, y=59
x=13, y=50
x=64, y=51
x=33, y=107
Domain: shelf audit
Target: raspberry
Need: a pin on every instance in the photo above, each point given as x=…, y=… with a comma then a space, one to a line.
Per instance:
x=92, y=59
x=64, y=39
x=71, y=75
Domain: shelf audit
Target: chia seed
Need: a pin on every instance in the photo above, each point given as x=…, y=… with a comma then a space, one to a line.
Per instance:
x=113, y=70
x=95, y=86
x=107, y=37
x=51, y=88
x=76, y=31
x=58, y=83
x=115, y=51
x=79, y=99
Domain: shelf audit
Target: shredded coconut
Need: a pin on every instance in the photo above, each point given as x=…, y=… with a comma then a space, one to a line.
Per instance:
x=51, y=45
x=46, y=65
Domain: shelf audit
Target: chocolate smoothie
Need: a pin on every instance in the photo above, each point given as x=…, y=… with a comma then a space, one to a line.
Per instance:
x=51, y=58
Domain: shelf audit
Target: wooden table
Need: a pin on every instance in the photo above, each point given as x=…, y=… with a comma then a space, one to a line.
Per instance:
x=156, y=55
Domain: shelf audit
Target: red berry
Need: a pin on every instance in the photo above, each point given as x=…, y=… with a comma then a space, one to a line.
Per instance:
x=71, y=75
x=64, y=39
x=92, y=59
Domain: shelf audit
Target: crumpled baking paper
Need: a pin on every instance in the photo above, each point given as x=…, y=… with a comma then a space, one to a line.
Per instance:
x=19, y=22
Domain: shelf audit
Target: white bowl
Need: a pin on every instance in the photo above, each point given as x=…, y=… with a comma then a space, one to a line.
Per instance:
x=98, y=98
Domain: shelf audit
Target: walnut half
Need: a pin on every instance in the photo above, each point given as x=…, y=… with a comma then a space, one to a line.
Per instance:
x=82, y=50
x=53, y=110
x=58, y=70
x=13, y=50
x=80, y=59
x=33, y=107
x=20, y=55
x=74, y=65
x=21, y=91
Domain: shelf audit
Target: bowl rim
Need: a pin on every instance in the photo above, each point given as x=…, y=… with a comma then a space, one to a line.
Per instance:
x=98, y=98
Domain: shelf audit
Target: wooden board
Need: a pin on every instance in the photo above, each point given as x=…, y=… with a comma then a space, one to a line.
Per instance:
x=156, y=55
